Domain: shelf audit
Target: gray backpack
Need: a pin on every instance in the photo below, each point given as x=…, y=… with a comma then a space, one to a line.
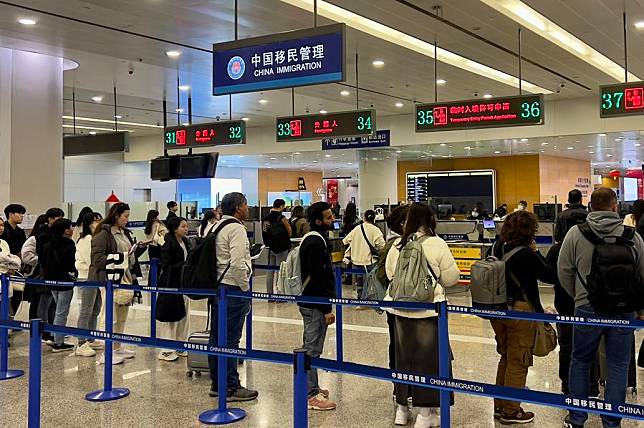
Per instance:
x=488, y=283
x=289, y=278
x=414, y=280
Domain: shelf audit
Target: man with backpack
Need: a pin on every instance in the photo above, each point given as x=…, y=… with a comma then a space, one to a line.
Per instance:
x=575, y=214
x=601, y=264
x=318, y=280
x=276, y=232
x=233, y=271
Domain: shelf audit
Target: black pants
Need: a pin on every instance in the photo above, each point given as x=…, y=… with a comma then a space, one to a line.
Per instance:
x=640, y=359
x=564, y=333
x=15, y=300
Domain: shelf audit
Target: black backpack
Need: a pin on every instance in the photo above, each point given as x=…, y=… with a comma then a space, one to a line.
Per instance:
x=200, y=269
x=614, y=284
x=275, y=235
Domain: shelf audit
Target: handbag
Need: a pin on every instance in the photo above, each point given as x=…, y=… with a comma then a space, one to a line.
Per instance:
x=117, y=265
x=545, y=336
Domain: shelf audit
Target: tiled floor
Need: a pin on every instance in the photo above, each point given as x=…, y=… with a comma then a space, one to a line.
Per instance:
x=163, y=396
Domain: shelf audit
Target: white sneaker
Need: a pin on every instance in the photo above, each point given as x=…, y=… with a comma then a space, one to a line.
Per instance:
x=85, y=350
x=115, y=359
x=431, y=420
x=182, y=353
x=97, y=346
x=402, y=415
x=168, y=356
x=124, y=353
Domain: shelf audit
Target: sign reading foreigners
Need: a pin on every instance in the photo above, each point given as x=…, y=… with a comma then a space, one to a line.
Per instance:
x=355, y=123
x=282, y=60
x=205, y=134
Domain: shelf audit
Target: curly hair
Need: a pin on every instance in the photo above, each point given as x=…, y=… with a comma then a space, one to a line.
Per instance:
x=519, y=228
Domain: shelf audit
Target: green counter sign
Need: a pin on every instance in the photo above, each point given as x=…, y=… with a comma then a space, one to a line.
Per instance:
x=623, y=99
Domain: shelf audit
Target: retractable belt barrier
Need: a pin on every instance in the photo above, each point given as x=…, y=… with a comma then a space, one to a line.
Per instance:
x=301, y=362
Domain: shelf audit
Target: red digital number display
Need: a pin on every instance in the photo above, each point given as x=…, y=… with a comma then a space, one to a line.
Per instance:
x=296, y=128
x=181, y=137
x=633, y=98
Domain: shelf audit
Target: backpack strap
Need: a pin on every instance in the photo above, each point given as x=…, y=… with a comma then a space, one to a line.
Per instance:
x=372, y=250
x=507, y=256
x=629, y=233
x=588, y=233
x=214, y=236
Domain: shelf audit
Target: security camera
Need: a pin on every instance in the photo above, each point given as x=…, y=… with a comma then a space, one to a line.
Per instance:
x=562, y=85
x=130, y=69
x=218, y=118
x=307, y=110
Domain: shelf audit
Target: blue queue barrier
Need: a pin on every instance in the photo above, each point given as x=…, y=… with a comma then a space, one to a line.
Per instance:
x=444, y=383
x=5, y=372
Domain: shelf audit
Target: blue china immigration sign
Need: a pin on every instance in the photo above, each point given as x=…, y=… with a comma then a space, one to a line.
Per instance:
x=283, y=60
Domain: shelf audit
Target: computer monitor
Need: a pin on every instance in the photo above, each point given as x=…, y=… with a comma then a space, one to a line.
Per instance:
x=337, y=224
x=445, y=211
x=489, y=225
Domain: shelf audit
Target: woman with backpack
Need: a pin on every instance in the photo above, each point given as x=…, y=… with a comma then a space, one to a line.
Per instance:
x=515, y=339
x=364, y=244
x=417, y=331
x=173, y=309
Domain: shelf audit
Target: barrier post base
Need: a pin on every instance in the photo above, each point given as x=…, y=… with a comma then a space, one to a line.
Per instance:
x=101, y=395
x=217, y=417
x=11, y=374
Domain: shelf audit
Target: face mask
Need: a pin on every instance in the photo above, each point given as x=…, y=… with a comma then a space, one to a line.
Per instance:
x=475, y=214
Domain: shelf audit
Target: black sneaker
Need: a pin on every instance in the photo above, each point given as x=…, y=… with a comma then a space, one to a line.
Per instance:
x=242, y=394
x=568, y=424
x=62, y=348
x=520, y=417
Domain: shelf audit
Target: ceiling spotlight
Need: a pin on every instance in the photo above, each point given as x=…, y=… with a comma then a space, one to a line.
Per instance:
x=315, y=161
x=179, y=110
x=245, y=119
x=297, y=153
x=443, y=144
x=92, y=132
x=591, y=153
x=327, y=156
x=571, y=148
x=441, y=81
x=523, y=140
x=263, y=101
x=173, y=54
x=544, y=144
x=487, y=95
x=496, y=152
x=399, y=151
x=378, y=63
x=323, y=112
x=345, y=93
x=273, y=158
x=118, y=116
x=184, y=87
x=399, y=104
x=349, y=163
x=97, y=99
x=27, y=21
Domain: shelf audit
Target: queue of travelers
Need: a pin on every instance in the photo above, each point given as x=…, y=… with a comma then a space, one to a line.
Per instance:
x=578, y=265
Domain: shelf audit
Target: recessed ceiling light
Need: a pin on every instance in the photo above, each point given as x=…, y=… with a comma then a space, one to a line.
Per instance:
x=345, y=93
x=262, y=101
x=349, y=163
x=245, y=119
x=173, y=54
x=97, y=99
x=118, y=116
x=496, y=152
x=544, y=144
x=571, y=148
x=323, y=112
x=179, y=110
x=184, y=87
x=591, y=153
x=639, y=25
x=398, y=151
x=92, y=132
x=185, y=124
x=467, y=148
x=609, y=155
x=378, y=63
x=487, y=96
x=399, y=104
x=637, y=144
x=273, y=158
x=297, y=153
x=441, y=81
x=602, y=135
x=315, y=161
x=542, y=151
x=443, y=144
x=523, y=140
x=27, y=21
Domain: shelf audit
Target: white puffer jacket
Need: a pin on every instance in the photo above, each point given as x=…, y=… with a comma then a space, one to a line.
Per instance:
x=83, y=256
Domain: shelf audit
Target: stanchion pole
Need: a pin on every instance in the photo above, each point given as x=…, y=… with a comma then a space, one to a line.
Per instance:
x=154, y=266
x=5, y=372
x=444, y=360
x=108, y=393
x=339, y=341
x=35, y=371
x=249, y=319
x=221, y=415
x=301, y=367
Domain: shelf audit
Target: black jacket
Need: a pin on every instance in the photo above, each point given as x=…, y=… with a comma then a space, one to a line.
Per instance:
x=564, y=303
x=528, y=267
x=315, y=259
x=574, y=215
x=171, y=214
x=170, y=307
x=59, y=261
x=14, y=237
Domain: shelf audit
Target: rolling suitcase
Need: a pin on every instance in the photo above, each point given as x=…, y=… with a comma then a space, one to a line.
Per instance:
x=196, y=362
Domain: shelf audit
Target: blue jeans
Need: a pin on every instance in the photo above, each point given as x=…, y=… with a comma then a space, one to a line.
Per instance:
x=585, y=341
x=63, y=300
x=315, y=328
x=237, y=310
x=91, y=303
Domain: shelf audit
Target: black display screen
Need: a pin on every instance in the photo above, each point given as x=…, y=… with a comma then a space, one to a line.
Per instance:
x=318, y=126
x=205, y=135
x=480, y=113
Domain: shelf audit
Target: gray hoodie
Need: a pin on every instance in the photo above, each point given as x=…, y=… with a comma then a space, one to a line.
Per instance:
x=577, y=252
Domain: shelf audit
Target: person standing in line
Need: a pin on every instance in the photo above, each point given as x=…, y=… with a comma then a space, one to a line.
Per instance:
x=317, y=274
x=15, y=237
x=30, y=269
x=417, y=331
x=575, y=214
x=522, y=206
x=59, y=265
x=173, y=207
x=46, y=304
x=91, y=298
x=637, y=211
x=111, y=237
x=207, y=223
x=276, y=232
x=9, y=263
x=349, y=221
x=155, y=232
x=78, y=228
x=364, y=244
x=173, y=310
x=576, y=265
x=299, y=225
x=233, y=270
